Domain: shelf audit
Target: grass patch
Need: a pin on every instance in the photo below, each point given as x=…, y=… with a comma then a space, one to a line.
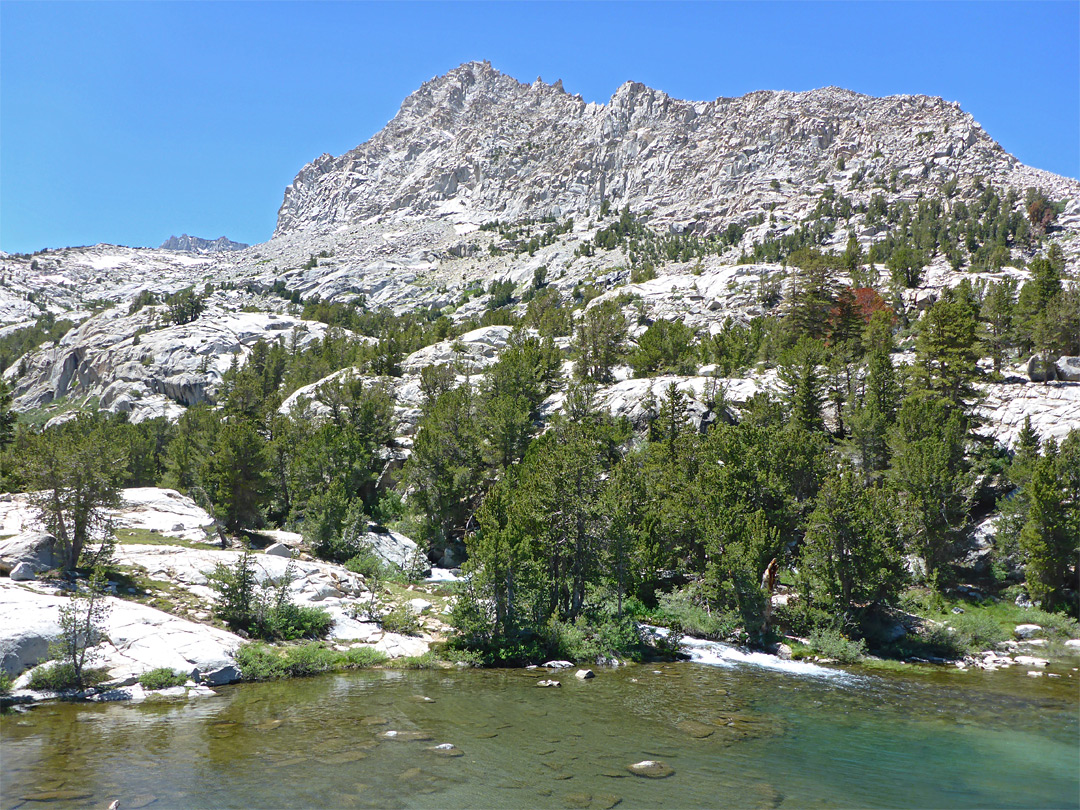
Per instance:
x=982, y=624
x=162, y=678
x=146, y=537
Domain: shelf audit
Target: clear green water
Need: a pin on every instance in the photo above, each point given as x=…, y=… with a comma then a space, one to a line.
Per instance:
x=737, y=737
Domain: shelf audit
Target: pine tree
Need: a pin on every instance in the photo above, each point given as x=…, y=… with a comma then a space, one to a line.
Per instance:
x=997, y=313
x=235, y=475
x=945, y=351
x=802, y=385
x=76, y=471
x=853, y=549
x=1050, y=537
x=811, y=301
x=874, y=413
x=599, y=341
x=930, y=473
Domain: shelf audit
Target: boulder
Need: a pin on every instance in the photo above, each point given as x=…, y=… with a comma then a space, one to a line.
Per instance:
x=278, y=550
x=1027, y=630
x=546, y=684
x=140, y=637
x=164, y=511
x=651, y=769
x=1068, y=369
x=1039, y=370
x=419, y=606
x=36, y=549
x=1030, y=661
x=221, y=676
x=23, y=572
x=392, y=547
x=558, y=664
x=584, y=674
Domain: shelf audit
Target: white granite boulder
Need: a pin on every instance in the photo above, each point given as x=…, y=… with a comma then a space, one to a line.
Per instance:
x=37, y=549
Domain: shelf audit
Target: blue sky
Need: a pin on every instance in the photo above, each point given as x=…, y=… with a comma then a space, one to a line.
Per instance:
x=126, y=122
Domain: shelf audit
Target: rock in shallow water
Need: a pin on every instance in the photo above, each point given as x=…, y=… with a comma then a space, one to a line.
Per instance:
x=651, y=769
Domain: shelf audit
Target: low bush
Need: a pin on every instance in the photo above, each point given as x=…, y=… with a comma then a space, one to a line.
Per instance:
x=679, y=607
x=362, y=658
x=571, y=641
x=162, y=678
x=59, y=676
x=1054, y=625
x=260, y=662
x=365, y=563
x=264, y=610
x=5, y=683
x=429, y=660
x=287, y=621
x=263, y=662
x=966, y=633
x=310, y=659
x=831, y=643
x=401, y=620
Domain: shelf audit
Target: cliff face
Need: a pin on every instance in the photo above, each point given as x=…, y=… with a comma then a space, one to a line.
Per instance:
x=481, y=143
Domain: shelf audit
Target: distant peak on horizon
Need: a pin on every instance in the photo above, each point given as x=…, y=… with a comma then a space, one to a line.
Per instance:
x=194, y=244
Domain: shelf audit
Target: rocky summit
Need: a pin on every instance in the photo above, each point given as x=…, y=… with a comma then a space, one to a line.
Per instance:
x=481, y=144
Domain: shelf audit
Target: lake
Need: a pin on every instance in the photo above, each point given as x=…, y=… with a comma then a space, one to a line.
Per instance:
x=738, y=730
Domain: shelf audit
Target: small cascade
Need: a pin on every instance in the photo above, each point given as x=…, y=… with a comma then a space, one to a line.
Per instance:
x=719, y=654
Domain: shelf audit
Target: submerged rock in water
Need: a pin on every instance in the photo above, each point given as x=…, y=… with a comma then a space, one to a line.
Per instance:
x=406, y=736
x=697, y=730
x=651, y=769
x=447, y=750
x=547, y=683
x=69, y=795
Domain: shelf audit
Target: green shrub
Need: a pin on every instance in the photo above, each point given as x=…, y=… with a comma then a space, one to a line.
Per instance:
x=619, y=636
x=5, y=683
x=831, y=643
x=679, y=608
x=288, y=622
x=1055, y=625
x=571, y=640
x=59, y=676
x=365, y=563
x=429, y=660
x=162, y=678
x=976, y=631
x=401, y=620
x=362, y=658
x=261, y=662
x=309, y=659
x=943, y=641
x=264, y=611
x=466, y=658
